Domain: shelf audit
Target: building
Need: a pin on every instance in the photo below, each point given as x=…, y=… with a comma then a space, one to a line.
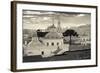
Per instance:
x=49, y=45
x=85, y=40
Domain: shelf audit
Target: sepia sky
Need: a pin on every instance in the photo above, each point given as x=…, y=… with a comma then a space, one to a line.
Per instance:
x=43, y=19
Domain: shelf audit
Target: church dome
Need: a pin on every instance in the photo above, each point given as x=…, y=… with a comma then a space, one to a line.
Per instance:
x=53, y=35
x=51, y=28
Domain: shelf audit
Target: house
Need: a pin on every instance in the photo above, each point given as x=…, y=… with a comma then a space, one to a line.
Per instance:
x=85, y=40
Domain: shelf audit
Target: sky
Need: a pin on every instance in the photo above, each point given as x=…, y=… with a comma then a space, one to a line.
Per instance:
x=43, y=19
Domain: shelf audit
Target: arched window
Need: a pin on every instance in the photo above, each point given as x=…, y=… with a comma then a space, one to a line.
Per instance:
x=57, y=43
x=47, y=44
x=52, y=44
x=42, y=52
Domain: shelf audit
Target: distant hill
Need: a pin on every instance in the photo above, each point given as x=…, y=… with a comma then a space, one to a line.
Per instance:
x=27, y=31
x=83, y=30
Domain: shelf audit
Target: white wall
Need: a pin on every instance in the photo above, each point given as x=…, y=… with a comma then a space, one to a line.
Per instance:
x=5, y=37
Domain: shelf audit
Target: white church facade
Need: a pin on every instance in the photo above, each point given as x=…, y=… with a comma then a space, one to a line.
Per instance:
x=49, y=45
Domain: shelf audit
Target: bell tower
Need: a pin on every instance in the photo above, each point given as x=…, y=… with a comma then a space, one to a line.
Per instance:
x=59, y=29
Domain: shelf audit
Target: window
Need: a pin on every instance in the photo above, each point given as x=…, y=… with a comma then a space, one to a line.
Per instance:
x=57, y=43
x=29, y=52
x=47, y=44
x=52, y=44
x=42, y=52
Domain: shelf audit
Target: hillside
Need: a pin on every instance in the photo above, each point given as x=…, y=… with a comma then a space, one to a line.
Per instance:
x=83, y=30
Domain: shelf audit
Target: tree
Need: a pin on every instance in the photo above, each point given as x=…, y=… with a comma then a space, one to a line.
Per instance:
x=70, y=33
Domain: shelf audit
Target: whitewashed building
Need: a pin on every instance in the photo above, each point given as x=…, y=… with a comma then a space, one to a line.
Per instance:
x=50, y=45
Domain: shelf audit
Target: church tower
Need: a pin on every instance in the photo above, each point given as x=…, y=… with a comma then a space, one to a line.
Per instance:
x=59, y=29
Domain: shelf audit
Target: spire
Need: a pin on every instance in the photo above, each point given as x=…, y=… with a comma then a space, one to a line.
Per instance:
x=59, y=24
x=53, y=20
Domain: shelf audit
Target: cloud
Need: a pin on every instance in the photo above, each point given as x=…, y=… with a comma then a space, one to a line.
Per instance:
x=43, y=19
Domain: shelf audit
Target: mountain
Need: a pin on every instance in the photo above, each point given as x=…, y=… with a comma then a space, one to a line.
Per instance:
x=83, y=30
